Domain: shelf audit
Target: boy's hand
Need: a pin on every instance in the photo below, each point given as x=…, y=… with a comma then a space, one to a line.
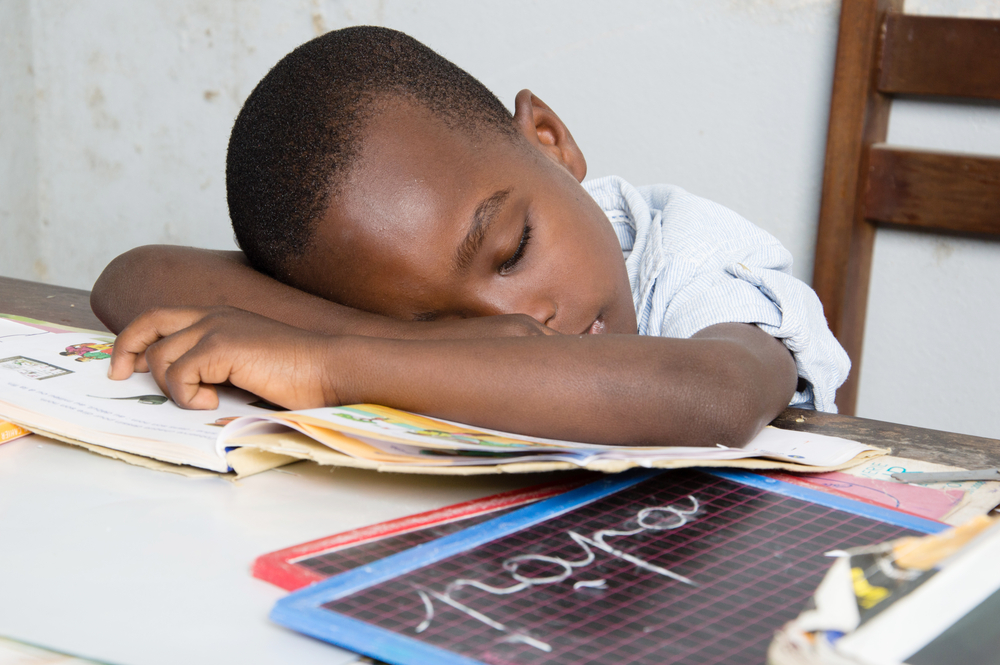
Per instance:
x=189, y=349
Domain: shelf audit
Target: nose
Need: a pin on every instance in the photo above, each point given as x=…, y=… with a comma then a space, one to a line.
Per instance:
x=537, y=306
x=543, y=311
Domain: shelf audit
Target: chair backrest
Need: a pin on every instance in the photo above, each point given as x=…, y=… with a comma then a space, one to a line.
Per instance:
x=882, y=52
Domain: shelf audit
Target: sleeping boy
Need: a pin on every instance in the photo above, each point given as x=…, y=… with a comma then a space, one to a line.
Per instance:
x=407, y=242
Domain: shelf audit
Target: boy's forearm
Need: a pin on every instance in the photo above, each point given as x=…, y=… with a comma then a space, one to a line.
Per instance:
x=165, y=276
x=719, y=388
x=169, y=276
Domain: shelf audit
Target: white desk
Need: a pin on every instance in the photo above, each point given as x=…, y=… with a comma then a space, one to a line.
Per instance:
x=121, y=564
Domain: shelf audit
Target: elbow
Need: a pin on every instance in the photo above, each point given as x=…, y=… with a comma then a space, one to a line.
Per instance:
x=741, y=422
x=113, y=297
x=739, y=427
x=735, y=418
x=105, y=293
x=747, y=394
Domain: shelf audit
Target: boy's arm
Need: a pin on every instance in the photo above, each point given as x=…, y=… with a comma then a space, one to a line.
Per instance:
x=165, y=275
x=169, y=276
x=719, y=387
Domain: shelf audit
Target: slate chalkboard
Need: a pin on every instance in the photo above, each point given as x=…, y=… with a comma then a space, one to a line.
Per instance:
x=679, y=566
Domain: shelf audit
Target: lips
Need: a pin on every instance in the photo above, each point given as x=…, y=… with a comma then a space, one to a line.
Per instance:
x=597, y=327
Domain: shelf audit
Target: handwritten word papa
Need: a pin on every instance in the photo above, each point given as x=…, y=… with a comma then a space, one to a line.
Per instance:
x=661, y=518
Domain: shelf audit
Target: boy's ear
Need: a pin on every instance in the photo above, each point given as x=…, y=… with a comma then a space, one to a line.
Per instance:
x=545, y=131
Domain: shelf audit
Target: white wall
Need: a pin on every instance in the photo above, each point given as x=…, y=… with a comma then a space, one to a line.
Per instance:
x=135, y=101
x=19, y=219
x=114, y=117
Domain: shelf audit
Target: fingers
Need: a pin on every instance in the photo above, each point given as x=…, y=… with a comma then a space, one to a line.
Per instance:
x=181, y=362
x=128, y=354
x=155, y=342
x=188, y=379
x=186, y=351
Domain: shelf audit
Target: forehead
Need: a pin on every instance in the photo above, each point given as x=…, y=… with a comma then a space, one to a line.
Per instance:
x=390, y=232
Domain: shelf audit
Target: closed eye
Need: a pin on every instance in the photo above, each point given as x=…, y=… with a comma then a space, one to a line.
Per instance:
x=512, y=262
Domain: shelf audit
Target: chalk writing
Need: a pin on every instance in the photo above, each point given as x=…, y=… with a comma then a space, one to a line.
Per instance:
x=660, y=518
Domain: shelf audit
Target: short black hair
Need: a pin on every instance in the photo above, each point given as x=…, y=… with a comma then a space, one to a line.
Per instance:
x=299, y=132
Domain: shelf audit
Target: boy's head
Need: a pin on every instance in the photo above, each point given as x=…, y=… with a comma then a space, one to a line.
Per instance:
x=300, y=131
x=369, y=170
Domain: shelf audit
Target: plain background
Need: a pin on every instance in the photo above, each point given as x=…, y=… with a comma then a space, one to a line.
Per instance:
x=114, y=117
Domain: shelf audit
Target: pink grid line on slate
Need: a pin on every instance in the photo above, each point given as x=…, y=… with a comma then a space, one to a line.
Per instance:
x=756, y=556
x=709, y=602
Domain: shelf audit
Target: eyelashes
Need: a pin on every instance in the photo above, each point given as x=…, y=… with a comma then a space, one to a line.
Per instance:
x=512, y=262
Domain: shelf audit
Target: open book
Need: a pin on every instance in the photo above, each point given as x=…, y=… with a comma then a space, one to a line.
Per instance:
x=54, y=382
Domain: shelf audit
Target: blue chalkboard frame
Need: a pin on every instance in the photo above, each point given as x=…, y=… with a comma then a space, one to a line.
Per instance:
x=302, y=611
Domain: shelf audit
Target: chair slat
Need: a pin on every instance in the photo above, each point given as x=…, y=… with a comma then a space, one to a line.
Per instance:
x=933, y=190
x=932, y=55
x=859, y=116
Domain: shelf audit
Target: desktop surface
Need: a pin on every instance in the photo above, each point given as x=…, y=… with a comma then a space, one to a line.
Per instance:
x=124, y=564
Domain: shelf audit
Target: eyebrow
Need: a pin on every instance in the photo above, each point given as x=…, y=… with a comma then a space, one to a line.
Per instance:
x=486, y=212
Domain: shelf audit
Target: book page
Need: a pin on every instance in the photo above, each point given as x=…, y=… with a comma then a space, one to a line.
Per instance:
x=58, y=382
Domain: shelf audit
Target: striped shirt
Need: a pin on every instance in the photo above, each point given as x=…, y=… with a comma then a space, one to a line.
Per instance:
x=693, y=263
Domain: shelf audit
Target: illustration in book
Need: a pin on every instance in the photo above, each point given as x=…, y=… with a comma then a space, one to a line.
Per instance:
x=89, y=351
x=32, y=369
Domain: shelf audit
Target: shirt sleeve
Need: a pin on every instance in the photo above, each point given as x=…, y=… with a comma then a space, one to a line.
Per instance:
x=720, y=268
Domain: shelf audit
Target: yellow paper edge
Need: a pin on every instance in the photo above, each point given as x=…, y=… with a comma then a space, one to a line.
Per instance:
x=925, y=552
x=9, y=431
x=247, y=462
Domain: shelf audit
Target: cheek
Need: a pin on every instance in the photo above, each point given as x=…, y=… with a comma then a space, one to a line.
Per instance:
x=584, y=253
x=572, y=278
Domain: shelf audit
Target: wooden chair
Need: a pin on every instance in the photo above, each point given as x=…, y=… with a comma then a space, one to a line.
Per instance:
x=882, y=52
